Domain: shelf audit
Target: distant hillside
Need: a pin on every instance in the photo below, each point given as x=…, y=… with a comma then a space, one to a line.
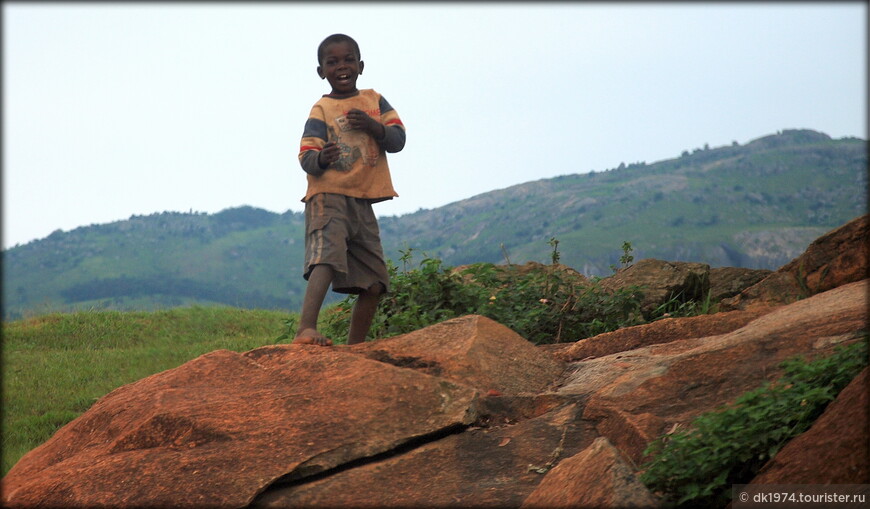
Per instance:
x=757, y=205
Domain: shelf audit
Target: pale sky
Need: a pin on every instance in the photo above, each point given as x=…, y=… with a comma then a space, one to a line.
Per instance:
x=119, y=109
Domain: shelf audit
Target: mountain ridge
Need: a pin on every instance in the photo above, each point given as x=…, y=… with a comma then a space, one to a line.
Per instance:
x=756, y=205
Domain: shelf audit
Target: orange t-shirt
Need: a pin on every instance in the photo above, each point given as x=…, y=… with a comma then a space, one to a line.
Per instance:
x=362, y=171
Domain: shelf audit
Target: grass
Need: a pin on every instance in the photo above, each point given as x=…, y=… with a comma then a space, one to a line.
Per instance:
x=56, y=366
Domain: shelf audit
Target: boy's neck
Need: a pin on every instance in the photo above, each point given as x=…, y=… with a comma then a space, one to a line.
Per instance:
x=342, y=96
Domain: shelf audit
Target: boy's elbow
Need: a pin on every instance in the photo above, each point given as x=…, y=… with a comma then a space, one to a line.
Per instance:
x=394, y=140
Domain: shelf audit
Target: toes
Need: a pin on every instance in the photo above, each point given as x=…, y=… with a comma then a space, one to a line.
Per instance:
x=312, y=338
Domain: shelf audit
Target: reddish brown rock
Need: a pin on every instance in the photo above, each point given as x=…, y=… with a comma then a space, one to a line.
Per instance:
x=472, y=350
x=482, y=467
x=661, y=281
x=727, y=282
x=596, y=477
x=834, y=259
x=835, y=450
x=219, y=429
x=660, y=331
x=637, y=395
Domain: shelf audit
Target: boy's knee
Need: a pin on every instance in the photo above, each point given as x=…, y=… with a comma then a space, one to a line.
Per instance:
x=376, y=290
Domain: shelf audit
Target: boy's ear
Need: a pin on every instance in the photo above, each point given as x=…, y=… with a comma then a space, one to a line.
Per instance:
x=320, y=72
x=361, y=65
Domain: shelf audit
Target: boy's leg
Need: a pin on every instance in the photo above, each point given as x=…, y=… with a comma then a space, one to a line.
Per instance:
x=363, y=313
x=318, y=284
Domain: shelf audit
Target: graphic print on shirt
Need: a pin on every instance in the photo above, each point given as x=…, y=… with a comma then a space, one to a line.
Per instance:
x=354, y=144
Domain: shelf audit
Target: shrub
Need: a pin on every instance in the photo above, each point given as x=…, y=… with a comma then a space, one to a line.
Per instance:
x=728, y=446
x=546, y=305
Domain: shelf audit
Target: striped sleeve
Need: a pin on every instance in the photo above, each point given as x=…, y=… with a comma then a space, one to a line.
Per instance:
x=394, y=129
x=314, y=137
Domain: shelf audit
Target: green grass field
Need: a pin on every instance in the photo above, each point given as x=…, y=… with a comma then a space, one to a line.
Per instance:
x=56, y=366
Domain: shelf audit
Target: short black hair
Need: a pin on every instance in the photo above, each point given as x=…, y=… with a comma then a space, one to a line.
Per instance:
x=333, y=39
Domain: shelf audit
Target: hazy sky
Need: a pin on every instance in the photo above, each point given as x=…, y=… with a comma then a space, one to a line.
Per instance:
x=112, y=110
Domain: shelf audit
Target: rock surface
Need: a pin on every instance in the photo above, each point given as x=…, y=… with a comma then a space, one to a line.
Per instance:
x=726, y=282
x=474, y=351
x=661, y=281
x=660, y=331
x=597, y=477
x=482, y=467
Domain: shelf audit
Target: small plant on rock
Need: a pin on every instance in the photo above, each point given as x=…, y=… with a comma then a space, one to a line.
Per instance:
x=696, y=467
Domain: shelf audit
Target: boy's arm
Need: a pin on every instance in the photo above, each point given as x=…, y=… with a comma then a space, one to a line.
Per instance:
x=394, y=129
x=312, y=145
x=394, y=138
x=310, y=162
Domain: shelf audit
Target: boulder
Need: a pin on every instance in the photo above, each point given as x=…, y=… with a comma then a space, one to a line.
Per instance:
x=597, y=477
x=839, y=257
x=221, y=428
x=834, y=259
x=472, y=350
x=661, y=281
x=726, y=282
x=635, y=396
x=835, y=450
x=494, y=466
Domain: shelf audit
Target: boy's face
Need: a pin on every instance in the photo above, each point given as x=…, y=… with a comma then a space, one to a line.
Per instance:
x=340, y=66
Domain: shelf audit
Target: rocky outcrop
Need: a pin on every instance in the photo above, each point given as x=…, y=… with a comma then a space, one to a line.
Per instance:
x=661, y=281
x=660, y=331
x=727, y=282
x=221, y=428
x=597, y=477
x=486, y=466
x=834, y=259
x=463, y=413
x=635, y=396
x=472, y=352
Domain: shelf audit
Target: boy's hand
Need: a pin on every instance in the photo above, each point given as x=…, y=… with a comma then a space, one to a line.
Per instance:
x=329, y=154
x=358, y=119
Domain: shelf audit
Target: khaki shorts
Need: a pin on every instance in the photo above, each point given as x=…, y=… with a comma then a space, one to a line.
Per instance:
x=343, y=232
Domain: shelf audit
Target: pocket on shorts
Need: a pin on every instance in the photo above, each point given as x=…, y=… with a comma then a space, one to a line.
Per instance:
x=318, y=223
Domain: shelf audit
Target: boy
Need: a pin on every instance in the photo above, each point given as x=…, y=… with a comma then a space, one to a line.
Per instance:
x=343, y=151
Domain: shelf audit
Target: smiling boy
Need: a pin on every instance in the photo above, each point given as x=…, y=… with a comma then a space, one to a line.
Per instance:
x=343, y=151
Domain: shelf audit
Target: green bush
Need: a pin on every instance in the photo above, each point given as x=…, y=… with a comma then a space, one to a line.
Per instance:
x=696, y=467
x=544, y=306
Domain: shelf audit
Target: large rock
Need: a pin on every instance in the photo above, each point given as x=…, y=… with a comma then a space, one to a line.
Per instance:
x=482, y=467
x=834, y=259
x=661, y=281
x=635, y=396
x=839, y=257
x=726, y=282
x=472, y=350
x=835, y=450
x=597, y=477
x=219, y=429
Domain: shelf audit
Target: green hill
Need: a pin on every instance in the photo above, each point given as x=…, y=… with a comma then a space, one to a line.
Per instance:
x=757, y=205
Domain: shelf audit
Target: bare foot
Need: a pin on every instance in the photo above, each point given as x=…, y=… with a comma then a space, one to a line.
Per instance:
x=311, y=337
